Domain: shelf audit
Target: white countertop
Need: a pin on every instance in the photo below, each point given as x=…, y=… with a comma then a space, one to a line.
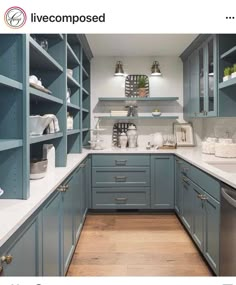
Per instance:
x=14, y=212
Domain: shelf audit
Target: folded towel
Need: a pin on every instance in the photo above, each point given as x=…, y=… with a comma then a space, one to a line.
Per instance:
x=53, y=127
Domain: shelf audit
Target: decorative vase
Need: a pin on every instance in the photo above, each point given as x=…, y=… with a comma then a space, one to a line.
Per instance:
x=233, y=75
x=142, y=92
x=132, y=136
x=227, y=77
x=123, y=139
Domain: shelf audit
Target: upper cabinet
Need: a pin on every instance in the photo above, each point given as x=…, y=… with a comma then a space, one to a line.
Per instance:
x=209, y=73
x=200, y=79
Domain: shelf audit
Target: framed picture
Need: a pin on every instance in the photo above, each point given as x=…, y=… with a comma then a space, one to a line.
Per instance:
x=184, y=134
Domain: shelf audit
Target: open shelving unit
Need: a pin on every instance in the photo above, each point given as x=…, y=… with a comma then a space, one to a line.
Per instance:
x=227, y=89
x=138, y=117
x=20, y=57
x=139, y=99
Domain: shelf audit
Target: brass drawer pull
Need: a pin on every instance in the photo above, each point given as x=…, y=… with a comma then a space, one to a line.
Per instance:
x=121, y=199
x=66, y=187
x=204, y=197
x=61, y=189
x=120, y=178
x=7, y=259
x=120, y=162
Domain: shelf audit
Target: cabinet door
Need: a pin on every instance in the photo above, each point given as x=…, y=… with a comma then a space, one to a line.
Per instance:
x=212, y=231
x=178, y=188
x=77, y=202
x=198, y=216
x=25, y=251
x=186, y=90
x=68, y=215
x=210, y=106
x=194, y=84
x=84, y=189
x=162, y=182
x=187, y=216
x=52, y=237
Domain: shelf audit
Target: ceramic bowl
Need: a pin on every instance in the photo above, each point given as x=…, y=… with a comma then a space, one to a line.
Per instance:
x=38, y=124
x=156, y=114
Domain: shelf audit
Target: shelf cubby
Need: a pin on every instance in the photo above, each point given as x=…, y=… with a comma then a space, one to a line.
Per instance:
x=72, y=82
x=41, y=59
x=12, y=174
x=11, y=57
x=229, y=55
x=43, y=138
x=228, y=84
x=6, y=144
x=8, y=82
x=72, y=59
x=72, y=132
x=39, y=96
x=71, y=106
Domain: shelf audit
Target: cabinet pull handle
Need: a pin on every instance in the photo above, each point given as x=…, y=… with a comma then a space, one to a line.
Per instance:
x=118, y=178
x=120, y=162
x=186, y=180
x=199, y=196
x=1, y=269
x=7, y=259
x=121, y=199
x=204, y=197
x=63, y=188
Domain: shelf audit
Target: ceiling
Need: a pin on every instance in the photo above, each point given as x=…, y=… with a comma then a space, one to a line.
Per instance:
x=139, y=44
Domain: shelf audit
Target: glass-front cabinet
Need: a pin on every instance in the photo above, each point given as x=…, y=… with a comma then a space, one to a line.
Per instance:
x=204, y=85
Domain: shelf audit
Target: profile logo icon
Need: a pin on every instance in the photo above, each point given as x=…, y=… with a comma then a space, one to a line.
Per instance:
x=15, y=17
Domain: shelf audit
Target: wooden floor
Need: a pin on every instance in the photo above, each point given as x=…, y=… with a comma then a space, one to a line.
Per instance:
x=136, y=245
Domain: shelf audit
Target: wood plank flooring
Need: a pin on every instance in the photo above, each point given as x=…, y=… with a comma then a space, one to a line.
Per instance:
x=136, y=245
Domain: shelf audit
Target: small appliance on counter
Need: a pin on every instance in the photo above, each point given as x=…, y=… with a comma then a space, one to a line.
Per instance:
x=38, y=168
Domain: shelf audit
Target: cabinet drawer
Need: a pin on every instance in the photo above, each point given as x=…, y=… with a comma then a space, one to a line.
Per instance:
x=205, y=181
x=121, y=198
x=108, y=177
x=120, y=160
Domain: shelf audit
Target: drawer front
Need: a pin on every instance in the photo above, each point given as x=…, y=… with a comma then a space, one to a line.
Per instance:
x=121, y=198
x=120, y=160
x=185, y=168
x=205, y=181
x=116, y=177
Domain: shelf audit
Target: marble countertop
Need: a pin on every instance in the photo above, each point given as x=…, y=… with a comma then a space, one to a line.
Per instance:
x=14, y=212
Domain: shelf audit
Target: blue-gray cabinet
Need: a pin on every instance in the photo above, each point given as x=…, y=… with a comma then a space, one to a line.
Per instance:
x=200, y=70
x=22, y=254
x=68, y=220
x=187, y=216
x=120, y=181
x=20, y=57
x=52, y=236
x=178, y=187
x=77, y=202
x=162, y=182
x=200, y=209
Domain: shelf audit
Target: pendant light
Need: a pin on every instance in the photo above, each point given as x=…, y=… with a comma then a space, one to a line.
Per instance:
x=119, y=71
x=155, y=69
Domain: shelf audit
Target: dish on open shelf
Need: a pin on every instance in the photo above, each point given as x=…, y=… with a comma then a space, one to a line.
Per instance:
x=41, y=88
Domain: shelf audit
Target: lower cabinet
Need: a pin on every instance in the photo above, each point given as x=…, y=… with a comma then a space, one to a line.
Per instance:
x=52, y=236
x=200, y=215
x=162, y=182
x=22, y=254
x=178, y=187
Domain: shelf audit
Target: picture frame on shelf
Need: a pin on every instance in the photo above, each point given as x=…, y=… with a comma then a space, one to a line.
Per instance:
x=184, y=134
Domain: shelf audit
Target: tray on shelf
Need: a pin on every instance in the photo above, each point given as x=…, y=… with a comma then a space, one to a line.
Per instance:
x=131, y=85
x=117, y=129
x=41, y=88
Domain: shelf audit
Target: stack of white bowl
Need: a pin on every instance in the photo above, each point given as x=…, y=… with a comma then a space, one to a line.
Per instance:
x=208, y=146
x=225, y=148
